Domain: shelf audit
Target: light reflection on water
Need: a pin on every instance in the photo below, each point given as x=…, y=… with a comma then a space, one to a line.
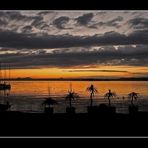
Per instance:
x=29, y=95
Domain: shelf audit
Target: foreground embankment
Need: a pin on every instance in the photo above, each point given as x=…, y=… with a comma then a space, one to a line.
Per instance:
x=39, y=124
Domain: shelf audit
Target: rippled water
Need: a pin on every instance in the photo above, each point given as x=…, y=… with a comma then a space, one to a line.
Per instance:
x=29, y=95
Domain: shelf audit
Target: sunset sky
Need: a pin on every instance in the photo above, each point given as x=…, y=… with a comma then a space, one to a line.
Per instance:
x=76, y=44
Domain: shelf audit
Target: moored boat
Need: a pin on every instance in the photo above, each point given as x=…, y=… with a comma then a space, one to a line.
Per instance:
x=3, y=84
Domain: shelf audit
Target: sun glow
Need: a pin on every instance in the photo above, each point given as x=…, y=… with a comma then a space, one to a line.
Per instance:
x=101, y=71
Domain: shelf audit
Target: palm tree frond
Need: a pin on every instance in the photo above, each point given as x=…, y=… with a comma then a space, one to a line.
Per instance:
x=88, y=89
x=49, y=101
x=91, y=89
x=106, y=95
x=132, y=96
x=71, y=95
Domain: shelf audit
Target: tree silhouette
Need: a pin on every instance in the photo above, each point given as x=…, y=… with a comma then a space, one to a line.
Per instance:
x=133, y=96
x=92, y=91
x=49, y=101
x=110, y=95
x=71, y=96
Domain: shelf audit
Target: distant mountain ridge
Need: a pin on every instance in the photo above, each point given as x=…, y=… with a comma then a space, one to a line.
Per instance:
x=79, y=79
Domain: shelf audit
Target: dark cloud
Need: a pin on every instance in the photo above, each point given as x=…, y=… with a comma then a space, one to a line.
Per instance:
x=27, y=29
x=141, y=74
x=10, y=39
x=15, y=15
x=27, y=49
x=112, y=23
x=101, y=12
x=139, y=23
x=6, y=49
x=60, y=22
x=43, y=13
x=39, y=23
x=36, y=20
x=3, y=22
x=44, y=26
x=115, y=22
x=97, y=70
x=48, y=60
x=84, y=19
x=128, y=55
x=8, y=19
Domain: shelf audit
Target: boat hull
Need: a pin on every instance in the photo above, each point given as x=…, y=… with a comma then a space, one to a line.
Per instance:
x=5, y=86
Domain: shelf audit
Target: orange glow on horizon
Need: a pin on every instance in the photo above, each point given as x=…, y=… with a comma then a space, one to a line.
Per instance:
x=110, y=71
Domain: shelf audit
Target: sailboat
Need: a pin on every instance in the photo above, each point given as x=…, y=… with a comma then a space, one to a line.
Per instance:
x=4, y=88
x=5, y=107
x=3, y=84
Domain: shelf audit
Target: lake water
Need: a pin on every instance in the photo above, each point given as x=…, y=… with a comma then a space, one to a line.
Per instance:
x=28, y=96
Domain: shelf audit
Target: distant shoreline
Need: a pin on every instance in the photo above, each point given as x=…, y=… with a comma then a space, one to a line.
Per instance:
x=64, y=79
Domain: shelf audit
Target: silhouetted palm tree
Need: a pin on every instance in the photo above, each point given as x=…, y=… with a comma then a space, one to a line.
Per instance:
x=71, y=96
x=132, y=96
x=92, y=91
x=110, y=95
x=49, y=101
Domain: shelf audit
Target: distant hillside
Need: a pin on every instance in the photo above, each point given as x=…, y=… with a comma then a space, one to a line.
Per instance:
x=77, y=79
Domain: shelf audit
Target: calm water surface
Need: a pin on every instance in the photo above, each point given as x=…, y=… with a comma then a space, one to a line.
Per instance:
x=28, y=95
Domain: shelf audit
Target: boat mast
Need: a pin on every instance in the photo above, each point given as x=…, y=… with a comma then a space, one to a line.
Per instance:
x=4, y=74
x=0, y=74
x=9, y=73
x=49, y=91
x=70, y=87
